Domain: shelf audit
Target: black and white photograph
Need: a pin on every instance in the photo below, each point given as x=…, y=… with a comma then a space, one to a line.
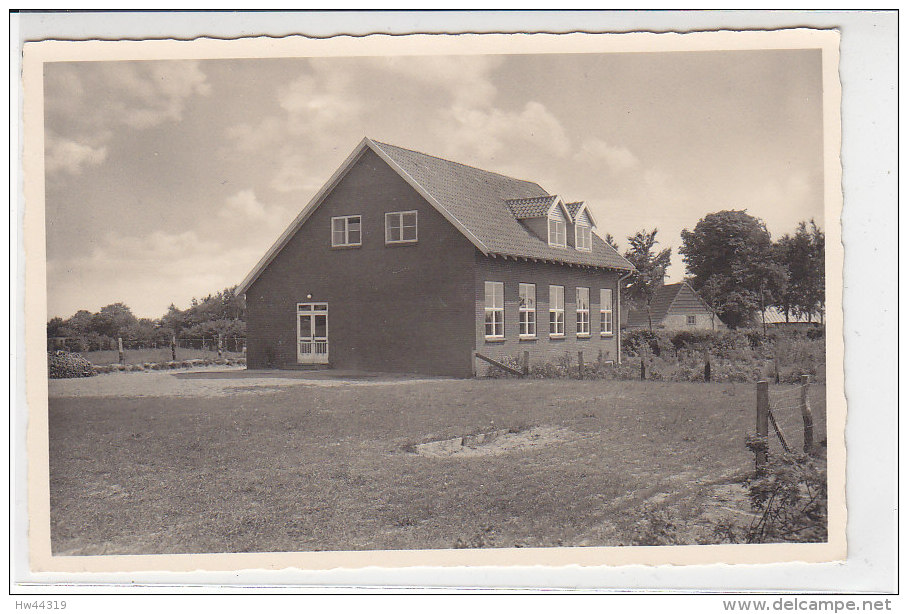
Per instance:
x=553, y=295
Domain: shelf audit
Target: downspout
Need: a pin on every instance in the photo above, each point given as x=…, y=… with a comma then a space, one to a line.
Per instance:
x=618, y=318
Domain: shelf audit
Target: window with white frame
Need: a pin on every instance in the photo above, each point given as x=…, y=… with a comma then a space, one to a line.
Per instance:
x=556, y=311
x=692, y=320
x=400, y=227
x=557, y=228
x=346, y=231
x=527, y=310
x=605, y=311
x=583, y=237
x=583, y=312
x=494, y=310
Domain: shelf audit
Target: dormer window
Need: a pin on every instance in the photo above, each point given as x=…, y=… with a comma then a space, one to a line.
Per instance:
x=557, y=233
x=583, y=237
x=557, y=227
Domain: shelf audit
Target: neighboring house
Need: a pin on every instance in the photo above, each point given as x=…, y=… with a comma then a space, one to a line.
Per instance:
x=404, y=262
x=676, y=307
x=776, y=318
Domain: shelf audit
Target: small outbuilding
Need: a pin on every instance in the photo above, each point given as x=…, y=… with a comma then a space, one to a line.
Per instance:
x=675, y=307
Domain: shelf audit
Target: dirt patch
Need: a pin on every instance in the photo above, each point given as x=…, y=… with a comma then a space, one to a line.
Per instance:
x=494, y=442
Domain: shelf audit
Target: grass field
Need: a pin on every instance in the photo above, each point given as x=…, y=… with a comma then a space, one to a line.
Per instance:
x=256, y=466
x=139, y=356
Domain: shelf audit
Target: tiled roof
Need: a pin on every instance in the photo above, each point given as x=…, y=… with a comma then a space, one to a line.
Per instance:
x=473, y=200
x=574, y=208
x=662, y=300
x=526, y=208
x=477, y=199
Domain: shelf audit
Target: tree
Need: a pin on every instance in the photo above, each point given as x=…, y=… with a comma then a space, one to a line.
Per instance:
x=113, y=320
x=611, y=241
x=641, y=287
x=803, y=255
x=729, y=257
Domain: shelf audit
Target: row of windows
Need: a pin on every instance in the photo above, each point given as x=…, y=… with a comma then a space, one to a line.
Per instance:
x=494, y=311
x=347, y=230
x=583, y=235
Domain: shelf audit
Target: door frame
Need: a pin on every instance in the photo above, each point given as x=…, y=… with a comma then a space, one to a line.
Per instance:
x=311, y=309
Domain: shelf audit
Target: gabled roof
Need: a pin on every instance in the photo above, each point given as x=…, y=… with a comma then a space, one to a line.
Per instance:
x=526, y=208
x=473, y=200
x=574, y=208
x=661, y=305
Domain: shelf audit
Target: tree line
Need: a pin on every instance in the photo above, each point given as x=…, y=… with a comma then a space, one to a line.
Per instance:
x=222, y=313
x=736, y=267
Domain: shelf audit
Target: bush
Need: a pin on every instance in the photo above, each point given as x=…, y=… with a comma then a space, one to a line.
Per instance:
x=62, y=364
x=789, y=496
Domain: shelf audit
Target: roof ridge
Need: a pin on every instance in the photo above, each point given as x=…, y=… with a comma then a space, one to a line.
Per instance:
x=475, y=168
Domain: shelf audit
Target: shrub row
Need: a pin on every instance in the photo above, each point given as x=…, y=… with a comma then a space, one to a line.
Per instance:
x=62, y=364
x=172, y=364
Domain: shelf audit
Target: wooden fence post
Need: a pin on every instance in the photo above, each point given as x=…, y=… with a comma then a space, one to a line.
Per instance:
x=806, y=414
x=762, y=423
x=120, y=354
x=220, y=345
x=173, y=348
x=707, y=368
x=526, y=363
x=579, y=364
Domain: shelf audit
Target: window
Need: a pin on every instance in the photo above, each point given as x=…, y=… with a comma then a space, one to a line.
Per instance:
x=583, y=238
x=605, y=311
x=556, y=311
x=583, y=312
x=692, y=320
x=400, y=227
x=494, y=310
x=346, y=231
x=557, y=233
x=527, y=310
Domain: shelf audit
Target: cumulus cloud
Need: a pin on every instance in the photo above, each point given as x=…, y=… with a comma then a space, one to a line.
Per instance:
x=244, y=207
x=596, y=152
x=486, y=132
x=64, y=155
x=86, y=103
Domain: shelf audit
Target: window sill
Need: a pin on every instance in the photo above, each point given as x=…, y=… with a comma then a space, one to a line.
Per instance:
x=583, y=335
x=495, y=339
x=400, y=243
x=556, y=336
x=527, y=337
x=606, y=334
x=351, y=246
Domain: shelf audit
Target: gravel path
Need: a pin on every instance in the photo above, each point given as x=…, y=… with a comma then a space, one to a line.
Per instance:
x=214, y=382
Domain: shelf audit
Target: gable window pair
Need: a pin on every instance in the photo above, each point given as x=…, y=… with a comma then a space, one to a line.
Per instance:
x=347, y=230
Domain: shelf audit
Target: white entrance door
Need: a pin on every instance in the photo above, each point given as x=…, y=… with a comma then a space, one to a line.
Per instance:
x=312, y=331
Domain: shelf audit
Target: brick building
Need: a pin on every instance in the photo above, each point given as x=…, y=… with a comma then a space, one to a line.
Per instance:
x=404, y=262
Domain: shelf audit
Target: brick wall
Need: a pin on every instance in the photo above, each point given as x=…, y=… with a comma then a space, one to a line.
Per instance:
x=393, y=308
x=543, y=348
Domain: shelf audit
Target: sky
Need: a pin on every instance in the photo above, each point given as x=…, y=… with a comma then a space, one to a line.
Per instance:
x=167, y=180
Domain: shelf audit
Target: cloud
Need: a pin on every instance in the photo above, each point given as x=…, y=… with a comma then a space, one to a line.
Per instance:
x=87, y=103
x=466, y=80
x=146, y=272
x=103, y=95
x=64, y=155
x=487, y=132
x=595, y=152
x=245, y=208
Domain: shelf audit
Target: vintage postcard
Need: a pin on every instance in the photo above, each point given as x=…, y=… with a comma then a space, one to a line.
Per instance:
x=434, y=300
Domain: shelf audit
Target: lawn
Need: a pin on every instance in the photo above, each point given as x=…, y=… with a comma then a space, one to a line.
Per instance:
x=252, y=467
x=139, y=356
